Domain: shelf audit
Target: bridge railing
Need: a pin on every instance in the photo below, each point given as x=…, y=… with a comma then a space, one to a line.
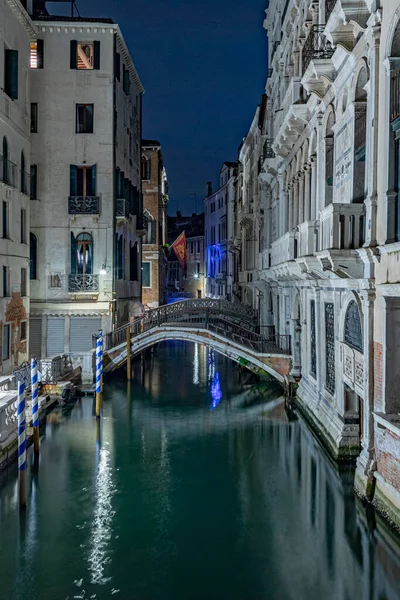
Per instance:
x=204, y=318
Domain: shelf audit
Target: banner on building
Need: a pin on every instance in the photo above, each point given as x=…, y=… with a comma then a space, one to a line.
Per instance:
x=179, y=247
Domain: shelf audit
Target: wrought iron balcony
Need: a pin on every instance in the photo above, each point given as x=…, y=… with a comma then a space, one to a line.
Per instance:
x=83, y=205
x=122, y=209
x=83, y=283
x=8, y=172
x=25, y=183
x=316, y=46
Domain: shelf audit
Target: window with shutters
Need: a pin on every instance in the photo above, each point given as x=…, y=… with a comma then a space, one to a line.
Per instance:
x=33, y=182
x=85, y=55
x=6, y=341
x=33, y=254
x=133, y=262
x=84, y=118
x=146, y=169
x=146, y=274
x=24, y=282
x=82, y=181
x=5, y=221
x=82, y=254
x=34, y=117
x=23, y=227
x=37, y=52
x=11, y=73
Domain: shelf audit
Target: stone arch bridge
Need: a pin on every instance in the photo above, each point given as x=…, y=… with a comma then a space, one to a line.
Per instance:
x=230, y=329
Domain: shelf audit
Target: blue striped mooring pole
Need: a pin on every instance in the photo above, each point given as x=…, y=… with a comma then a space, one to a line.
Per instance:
x=99, y=370
x=35, y=404
x=21, y=443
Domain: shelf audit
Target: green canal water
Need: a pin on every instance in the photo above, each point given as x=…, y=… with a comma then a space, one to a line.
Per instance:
x=197, y=486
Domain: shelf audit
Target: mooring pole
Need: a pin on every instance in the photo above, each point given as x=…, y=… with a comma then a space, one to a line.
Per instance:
x=101, y=366
x=128, y=353
x=99, y=361
x=21, y=444
x=35, y=406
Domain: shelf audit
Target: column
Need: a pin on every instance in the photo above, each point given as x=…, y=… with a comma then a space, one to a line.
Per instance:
x=371, y=157
x=301, y=197
x=313, y=199
x=290, y=207
x=307, y=192
x=295, y=201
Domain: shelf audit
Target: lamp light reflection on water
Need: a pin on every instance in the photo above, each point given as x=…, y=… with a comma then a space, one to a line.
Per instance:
x=196, y=365
x=216, y=392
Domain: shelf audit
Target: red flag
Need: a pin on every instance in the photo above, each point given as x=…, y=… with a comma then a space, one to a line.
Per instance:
x=179, y=247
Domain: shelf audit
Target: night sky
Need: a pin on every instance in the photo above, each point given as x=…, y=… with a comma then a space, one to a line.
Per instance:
x=203, y=65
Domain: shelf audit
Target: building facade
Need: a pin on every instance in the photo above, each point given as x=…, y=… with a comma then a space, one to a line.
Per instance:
x=16, y=34
x=331, y=241
x=86, y=203
x=218, y=207
x=155, y=201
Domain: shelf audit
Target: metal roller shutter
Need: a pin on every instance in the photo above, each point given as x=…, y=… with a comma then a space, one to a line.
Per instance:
x=81, y=331
x=35, y=338
x=55, y=335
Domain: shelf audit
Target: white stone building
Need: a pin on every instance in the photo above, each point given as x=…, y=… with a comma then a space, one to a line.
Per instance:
x=331, y=251
x=218, y=256
x=86, y=202
x=16, y=33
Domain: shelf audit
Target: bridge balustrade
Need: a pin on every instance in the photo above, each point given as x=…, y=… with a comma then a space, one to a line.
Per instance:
x=211, y=315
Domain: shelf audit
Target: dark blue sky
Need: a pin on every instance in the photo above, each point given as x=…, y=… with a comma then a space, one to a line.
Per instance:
x=203, y=65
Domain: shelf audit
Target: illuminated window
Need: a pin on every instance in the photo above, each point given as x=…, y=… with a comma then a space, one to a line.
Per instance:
x=37, y=52
x=85, y=55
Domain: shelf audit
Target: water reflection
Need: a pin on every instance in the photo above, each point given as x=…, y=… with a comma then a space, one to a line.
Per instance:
x=172, y=500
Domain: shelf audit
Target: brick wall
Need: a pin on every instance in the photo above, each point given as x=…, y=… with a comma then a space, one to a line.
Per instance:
x=387, y=455
x=378, y=376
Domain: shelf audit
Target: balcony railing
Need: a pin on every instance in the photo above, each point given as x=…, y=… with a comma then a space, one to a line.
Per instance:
x=395, y=95
x=122, y=209
x=316, y=46
x=83, y=283
x=25, y=179
x=308, y=238
x=342, y=226
x=284, y=249
x=329, y=6
x=83, y=205
x=8, y=172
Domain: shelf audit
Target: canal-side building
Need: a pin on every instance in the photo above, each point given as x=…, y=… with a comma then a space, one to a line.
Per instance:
x=16, y=34
x=330, y=263
x=249, y=210
x=155, y=201
x=218, y=207
x=86, y=200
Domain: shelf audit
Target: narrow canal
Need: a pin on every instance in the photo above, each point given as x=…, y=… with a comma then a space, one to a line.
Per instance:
x=199, y=487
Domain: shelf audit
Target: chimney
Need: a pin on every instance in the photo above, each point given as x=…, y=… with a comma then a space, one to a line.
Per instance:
x=209, y=188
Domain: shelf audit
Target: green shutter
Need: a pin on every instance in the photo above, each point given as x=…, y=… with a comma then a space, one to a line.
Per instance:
x=40, y=54
x=73, y=254
x=11, y=74
x=73, y=56
x=96, y=61
x=94, y=178
x=73, y=180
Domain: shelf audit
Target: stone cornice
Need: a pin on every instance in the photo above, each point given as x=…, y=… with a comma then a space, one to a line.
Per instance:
x=23, y=17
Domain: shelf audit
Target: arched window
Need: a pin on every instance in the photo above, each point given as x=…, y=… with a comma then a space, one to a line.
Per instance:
x=23, y=174
x=360, y=124
x=329, y=156
x=33, y=253
x=5, y=160
x=352, y=327
x=82, y=254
